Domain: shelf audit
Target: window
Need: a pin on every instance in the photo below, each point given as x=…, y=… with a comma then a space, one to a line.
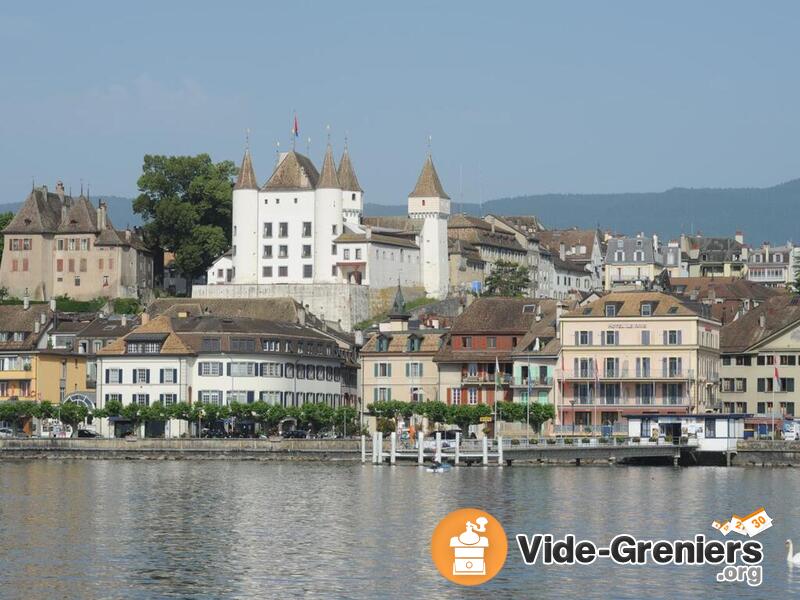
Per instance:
x=113, y=398
x=333, y=249
x=283, y=271
x=72, y=243
x=288, y=370
x=270, y=345
x=71, y=265
x=141, y=376
x=673, y=393
x=383, y=369
x=266, y=271
x=768, y=359
x=466, y=342
x=141, y=399
x=25, y=263
x=310, y=372
x=358, y=253
x=321, y=373
x=610, y=338
x=209, y=369
x=283, y=251
x=84, y=244
x=113, y=375
x=168, y=399
x=267, y=230
x=210, y=396
x=267, y=253
x=766, y=384
x=472, y=396
x=168, y=375
x=382, y=343
x=611, y=310
x=645, y=338
x=243, y=345
x=210, y=345
x=307, y=271
x=60, y=265
x=283, y=230
x=306, y=228
x=788, y=359
x=672, y=337
x=583, y=338
x=60, y=244
x=743, y=361
x=77, y=281
x=491, y=342
x=455, y=395
x=383, y=394
x=346, y=254
x=110, y=264
x=646, y=309
x=306, y=251
x=271, y=369
x=242, y=369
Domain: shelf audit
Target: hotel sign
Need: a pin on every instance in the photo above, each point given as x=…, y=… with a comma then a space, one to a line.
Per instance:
x=627, y=326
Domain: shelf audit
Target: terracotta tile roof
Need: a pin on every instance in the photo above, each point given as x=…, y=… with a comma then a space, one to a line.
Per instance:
x=544, y=329
x=389, y=240
x=629, y=305
x=461, y=220
x=294, y=172
x=40, y=213
x=397, y=223
x=746, y=332
x=479, y=233
x=398, y=342
x=553, y=238
x=328, y=178
x=722, y=288
x=525, y=223
x=246, y=180
x=347, y=175
x=497, y=315
x=274, y=309
x=14, y=318
x=464, y=248
x=172, y=345
x=428, y=184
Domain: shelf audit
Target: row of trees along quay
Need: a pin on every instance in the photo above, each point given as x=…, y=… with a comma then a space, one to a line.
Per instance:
x=462, y=415
x=315, y=417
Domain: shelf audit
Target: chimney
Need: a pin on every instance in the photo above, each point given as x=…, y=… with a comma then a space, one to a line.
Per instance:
x=301, y=315
x=562, y=251
x=492, y=225
x=538, y=312
x=43, y=318
x=368, y=233
x=739, y=237
x=60, y=190
x=101, y=215
x=52, y=305
x=559, y=312
x=145, y=318
x=127, y=235
x=36, y=327
x=655, y=242
x=26, y=303
x=124, y=320
x=762, y=320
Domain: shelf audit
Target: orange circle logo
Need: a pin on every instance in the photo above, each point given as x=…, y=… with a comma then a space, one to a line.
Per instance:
x=469, y=546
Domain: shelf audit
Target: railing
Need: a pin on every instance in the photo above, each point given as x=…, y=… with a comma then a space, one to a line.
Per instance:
x=632, y=374
x=533, y=382
x=486, y=378
x=625, y=401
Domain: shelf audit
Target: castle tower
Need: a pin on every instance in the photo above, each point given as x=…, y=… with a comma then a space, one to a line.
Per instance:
x=245, y=223
x=327, y=220
x=429, y=201
x=352, y=194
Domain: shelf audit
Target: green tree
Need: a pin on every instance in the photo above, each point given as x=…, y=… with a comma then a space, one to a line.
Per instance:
x=507, y=279
x=465, y=415
x=433, y=410
x=5, y=219
x=316, y=416
x=268, y=416
x=185, y=202
x=794, y=287
x=72, y=414
x=541, y=413
x=344, y=421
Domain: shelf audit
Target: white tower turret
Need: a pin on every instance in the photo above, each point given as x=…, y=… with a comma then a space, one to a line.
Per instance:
x=352, y=194
x=429, y=201
x=245, y=223
x=327, y=219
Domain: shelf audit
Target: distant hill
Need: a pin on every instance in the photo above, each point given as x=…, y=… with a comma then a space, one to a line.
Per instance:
x=119, y=209
x=763, y=214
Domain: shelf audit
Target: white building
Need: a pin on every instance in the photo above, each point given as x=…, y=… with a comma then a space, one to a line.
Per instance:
x=218, y=361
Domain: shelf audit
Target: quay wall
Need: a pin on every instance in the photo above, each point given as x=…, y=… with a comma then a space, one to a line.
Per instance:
x=766, y=453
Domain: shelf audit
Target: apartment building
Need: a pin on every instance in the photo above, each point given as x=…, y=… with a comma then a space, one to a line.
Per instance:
x=536, y=356
x=761, y=363
x=397, y=362
x=636, y=351
x=771, y=265
x=632, y=260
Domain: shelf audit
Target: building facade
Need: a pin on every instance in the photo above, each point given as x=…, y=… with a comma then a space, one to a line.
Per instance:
x=634, y=351
x=58, y=245
x=632, y=260
x=771, y=265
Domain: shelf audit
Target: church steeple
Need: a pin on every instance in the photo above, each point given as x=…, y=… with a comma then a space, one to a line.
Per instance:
x=328, y=178
x=428, y=184
x=247, y=176
x=398, y=310
x=347, y=175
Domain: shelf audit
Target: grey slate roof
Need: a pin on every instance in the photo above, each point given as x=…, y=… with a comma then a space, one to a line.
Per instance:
x=629, y=246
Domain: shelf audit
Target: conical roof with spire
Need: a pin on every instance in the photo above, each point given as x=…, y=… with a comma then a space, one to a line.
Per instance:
x=428, y=184
x=328, y=178
x=347, y=175
x=398, y=310
x=247, y=175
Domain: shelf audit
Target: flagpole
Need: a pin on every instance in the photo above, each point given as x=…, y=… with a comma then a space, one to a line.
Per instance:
x=528, y=406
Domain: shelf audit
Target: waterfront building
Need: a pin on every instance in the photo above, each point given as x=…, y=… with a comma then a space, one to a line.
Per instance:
x=397, y=361
x=536, y=355
x=59, y=245
x=771, y=265
x=715, y=257
x=761, y=362
x=30, y=367
x=632, y=261
x=219, y=361
x=636, y=351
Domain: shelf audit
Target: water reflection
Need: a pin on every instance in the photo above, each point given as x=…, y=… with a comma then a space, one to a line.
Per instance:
x=142, y=529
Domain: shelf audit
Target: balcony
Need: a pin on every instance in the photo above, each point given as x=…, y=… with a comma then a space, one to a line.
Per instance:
x=629, y=375
x=625, y=401
x=534, y=382
x=485, y=379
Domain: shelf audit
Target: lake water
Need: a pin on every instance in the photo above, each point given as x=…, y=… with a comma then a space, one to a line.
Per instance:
x=146, y=529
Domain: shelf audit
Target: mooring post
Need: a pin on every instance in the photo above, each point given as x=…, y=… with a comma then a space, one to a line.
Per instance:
x=458, y=448
x=379, y=437
x=374, y=448
x=363, y=448
x=393, y=451
x=675, y=459
x=500, y=450
x=485, y=450
x=438, y=455
x=420, y=448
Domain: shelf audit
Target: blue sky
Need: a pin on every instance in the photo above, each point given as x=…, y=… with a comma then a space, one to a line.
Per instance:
x=526, y=97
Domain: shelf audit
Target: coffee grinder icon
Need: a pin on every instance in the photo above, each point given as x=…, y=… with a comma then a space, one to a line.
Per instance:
x=469, y=549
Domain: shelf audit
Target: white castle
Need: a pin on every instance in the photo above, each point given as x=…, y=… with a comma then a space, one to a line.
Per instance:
x=305, y=227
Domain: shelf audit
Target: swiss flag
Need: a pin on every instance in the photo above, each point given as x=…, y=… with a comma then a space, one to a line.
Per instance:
x=776, y=381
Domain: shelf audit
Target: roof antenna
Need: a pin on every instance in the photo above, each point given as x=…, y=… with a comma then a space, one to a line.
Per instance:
x=345, y=141
x=430, y=141
x=81, y=186
x=33, y=183
x=87, y=190
x=277, y=152
x=328, y=128
x=247, y=139
x=461, y=188
x=308, y=146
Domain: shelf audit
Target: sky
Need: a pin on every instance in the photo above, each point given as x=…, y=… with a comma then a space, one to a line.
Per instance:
x=517, y=98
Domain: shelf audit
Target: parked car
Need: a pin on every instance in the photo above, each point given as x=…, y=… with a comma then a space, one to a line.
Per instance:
x=88, y=433
x=296, y=434
x=6, y=432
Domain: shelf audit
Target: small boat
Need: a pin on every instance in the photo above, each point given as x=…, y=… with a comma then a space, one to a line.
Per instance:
x=438, y=468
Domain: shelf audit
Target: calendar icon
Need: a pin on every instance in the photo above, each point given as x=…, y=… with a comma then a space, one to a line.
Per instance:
x=756, y=522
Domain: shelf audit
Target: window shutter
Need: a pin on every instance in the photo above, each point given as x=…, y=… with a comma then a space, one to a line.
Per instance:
x=664, y=366
x=135, y=376
x=199, y=397
x=375, y=395
x=575, y=368
x=228, y=369
x=616, y=338
x=147, y=376
x=280, y=370
x=602, y=338
x=389, y=394
x=389, y=369
x=174, y=375
x=250, y=396
x=679, y=336
x=199, y=371
x=408, y=369
x=375, y=369
x=680, y=363
x=107, y=375
x=577, y=338
x=421, y=369
x=666, y=338
x=161, y=376
x=591, y=338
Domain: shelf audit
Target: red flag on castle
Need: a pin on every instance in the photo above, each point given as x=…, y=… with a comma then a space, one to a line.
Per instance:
x=295, y=127
x=776, y=378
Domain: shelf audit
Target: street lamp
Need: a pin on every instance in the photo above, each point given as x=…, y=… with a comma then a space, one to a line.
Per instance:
x=572, y=402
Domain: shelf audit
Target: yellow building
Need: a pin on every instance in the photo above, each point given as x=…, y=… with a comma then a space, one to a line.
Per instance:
x=29, y=369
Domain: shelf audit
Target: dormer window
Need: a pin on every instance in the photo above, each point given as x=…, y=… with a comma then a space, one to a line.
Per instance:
x=414, y=343
x=646, y=309
x=611, y=310
x=383, y=344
